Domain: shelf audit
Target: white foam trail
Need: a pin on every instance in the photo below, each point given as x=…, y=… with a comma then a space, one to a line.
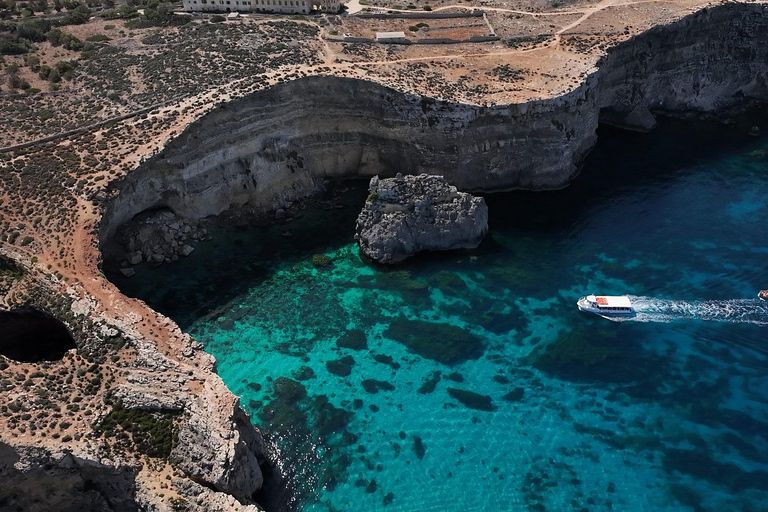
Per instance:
x=650, y=309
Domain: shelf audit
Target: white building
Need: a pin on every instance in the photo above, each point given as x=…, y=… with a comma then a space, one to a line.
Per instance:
x=262, y=6
x=391, y=37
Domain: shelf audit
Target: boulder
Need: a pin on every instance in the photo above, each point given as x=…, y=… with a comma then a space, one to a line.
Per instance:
x=128, y=272
x=135, y=258
x=408, y=214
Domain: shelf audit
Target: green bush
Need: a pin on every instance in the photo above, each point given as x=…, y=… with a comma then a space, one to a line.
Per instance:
x=34, y=29
x=79, y=16
x=10, y=47
x=59, y=38
x=162, y=17
x=152, y=433
x=33, y=62
x=97, y=38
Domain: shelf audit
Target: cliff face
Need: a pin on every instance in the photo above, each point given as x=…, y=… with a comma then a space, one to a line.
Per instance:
x=704, y=62
x=274, y=145
x=66, y=483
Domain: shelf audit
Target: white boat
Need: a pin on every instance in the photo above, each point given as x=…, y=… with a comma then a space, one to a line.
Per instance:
x=606, y=305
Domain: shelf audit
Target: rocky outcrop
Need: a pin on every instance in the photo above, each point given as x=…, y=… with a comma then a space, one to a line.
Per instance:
x=409, y=214
x=83, y=461
x=155, y=237
x=218, y=446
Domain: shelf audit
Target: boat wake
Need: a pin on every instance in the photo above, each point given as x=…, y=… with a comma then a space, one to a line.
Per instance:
x=650, y=309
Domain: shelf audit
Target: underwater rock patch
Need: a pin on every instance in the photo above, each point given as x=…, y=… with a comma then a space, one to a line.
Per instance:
x=387, y=360
x=448, y=281
x=321, y=260
x=354, y=339
x=701, y=465
x=472, y=400
x=430, y=383
x=418, y=447
x=444, y=343
x=288, y=389
x=304, y=373
x=515, y=395
x=373, y=386
x=331, y=419
x=341, y=367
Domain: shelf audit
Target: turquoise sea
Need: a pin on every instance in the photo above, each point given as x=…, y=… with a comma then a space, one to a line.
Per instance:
x=469, y=380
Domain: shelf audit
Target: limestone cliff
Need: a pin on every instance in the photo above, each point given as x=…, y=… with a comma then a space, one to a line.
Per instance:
x=274, y=145
x=705, y=62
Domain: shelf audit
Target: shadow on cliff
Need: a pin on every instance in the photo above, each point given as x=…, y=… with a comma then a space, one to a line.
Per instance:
x=69, y=484
x=620, y=162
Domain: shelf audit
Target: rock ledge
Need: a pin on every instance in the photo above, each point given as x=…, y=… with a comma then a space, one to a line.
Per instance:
x=408, y=214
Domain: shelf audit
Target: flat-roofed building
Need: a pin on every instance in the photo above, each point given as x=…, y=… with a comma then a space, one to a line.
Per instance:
x=262, y=6
x=391, y=37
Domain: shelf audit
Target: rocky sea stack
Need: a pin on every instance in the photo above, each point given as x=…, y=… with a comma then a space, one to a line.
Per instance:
x=408, y=214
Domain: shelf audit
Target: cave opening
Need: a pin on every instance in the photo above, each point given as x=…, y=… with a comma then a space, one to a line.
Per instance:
x=30, y=335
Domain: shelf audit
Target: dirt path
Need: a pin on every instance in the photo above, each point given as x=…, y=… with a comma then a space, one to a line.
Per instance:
x=471, y=8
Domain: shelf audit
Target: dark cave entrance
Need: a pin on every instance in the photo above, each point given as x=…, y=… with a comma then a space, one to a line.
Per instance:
x=30, y=335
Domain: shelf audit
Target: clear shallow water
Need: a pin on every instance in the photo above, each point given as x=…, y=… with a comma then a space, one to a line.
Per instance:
x=361, y=374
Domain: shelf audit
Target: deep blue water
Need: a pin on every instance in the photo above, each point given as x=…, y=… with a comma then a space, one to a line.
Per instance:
x=361, y=375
